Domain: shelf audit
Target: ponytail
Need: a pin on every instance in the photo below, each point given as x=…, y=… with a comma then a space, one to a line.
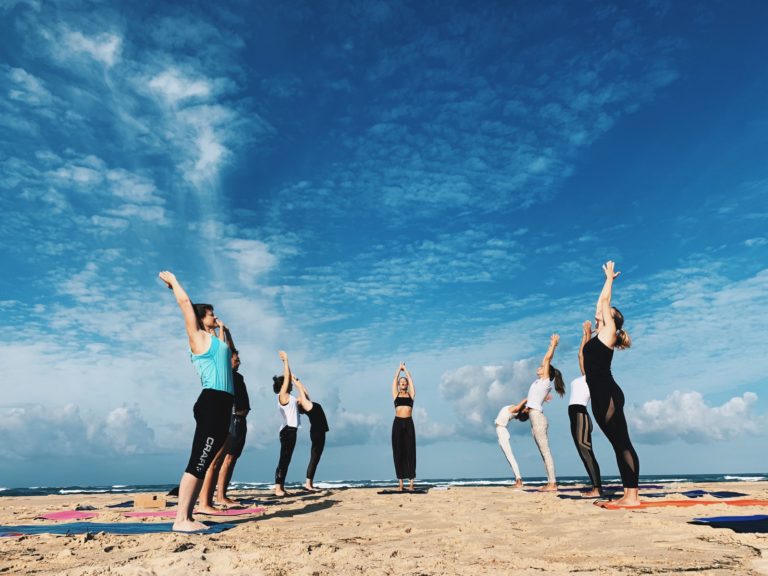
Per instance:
x=623, y=340
x=557, y=376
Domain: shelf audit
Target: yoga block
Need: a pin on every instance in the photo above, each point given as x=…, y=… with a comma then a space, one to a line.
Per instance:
x=149, y=501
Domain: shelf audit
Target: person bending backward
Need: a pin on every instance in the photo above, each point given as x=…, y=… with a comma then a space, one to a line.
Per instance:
x=403, y=432
x=291, y=421
x=238, y=429
x=581, y=424
x=607, y=397
x=538, y=393
x=211, y=357
x=318, y=426
x=507, y=413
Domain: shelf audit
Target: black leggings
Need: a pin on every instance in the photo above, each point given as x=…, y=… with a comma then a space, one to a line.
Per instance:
x=581, y=430
x=213, y=411
x=608, y=410
x=318, y=445
x=404, y=448
x=287, y=444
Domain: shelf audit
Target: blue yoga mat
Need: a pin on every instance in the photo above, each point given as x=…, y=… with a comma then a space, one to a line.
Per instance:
x=111, y=528
x=717, y=494
x=756, y=523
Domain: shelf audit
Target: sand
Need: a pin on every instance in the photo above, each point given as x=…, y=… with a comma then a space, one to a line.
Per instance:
x=460, y=530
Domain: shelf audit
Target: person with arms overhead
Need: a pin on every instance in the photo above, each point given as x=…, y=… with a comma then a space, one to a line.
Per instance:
x=607, y=397
x=318, y=426
x=538, y=394
x=211, y=357
x=403, y=432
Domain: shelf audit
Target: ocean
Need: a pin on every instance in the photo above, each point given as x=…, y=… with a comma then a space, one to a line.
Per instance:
x=434, y=483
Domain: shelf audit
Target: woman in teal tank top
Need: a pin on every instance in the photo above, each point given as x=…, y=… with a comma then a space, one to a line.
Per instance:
x=211, y=356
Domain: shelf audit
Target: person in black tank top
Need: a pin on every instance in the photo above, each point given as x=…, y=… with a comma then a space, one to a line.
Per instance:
x=318, y=426
x=607, y=397
x=403, y=432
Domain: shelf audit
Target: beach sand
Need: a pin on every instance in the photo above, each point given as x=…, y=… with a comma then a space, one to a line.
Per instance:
x=460, y=530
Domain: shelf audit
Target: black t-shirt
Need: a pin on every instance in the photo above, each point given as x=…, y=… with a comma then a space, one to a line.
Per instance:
x=241, y=393
x=317, y=419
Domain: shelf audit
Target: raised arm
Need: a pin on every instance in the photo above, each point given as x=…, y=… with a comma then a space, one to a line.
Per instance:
x=411, y=386
x=303, y=398
x=585, y=336
x=553, y=342
x=224, y=334
x=284, y=396
x=519, y=406
x=606, y=326
x=394, y=382
x=197, y=339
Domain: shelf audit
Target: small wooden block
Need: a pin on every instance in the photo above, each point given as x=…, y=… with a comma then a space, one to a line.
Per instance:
x=149, y=501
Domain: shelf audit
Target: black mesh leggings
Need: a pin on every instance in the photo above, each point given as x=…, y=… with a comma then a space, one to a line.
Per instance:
x=608, y=410
x=581, y=430
x=318, y=445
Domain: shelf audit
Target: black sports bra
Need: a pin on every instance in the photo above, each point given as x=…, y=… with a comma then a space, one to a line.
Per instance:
x=403, y=401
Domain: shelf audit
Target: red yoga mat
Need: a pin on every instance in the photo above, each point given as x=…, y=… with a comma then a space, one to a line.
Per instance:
x=685, y=503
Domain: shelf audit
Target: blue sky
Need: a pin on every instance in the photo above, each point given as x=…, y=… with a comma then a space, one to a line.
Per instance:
x=361, y=183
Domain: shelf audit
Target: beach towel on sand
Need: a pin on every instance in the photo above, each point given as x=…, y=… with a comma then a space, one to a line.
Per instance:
x=754, y=524
x=110, y=528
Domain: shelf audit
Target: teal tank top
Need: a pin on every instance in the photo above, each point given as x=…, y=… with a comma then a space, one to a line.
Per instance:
x=215, y=367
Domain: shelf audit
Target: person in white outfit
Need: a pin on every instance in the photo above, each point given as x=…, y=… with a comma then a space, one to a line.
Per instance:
x=507, y=413
x=289, y=410
x=538, y=393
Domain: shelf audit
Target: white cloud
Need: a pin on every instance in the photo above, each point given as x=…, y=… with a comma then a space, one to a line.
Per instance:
x=174, y=86
x=252, y=258
x=104, y=48
x=686, y=416
x=477, y=393
x=34, y=430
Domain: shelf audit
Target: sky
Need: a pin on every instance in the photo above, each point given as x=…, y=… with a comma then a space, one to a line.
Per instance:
x=365, y=183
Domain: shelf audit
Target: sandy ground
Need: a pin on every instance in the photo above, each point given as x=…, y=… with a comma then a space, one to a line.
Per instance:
x=489, y=530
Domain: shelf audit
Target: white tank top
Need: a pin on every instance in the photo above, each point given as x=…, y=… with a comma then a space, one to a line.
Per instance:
x=579, y=392
x=290, y=413
x=504, y=417
x=538, y=392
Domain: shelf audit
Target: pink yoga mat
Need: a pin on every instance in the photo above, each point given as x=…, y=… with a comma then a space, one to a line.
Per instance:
x=68, y=515
x=172, y=513
x=686, y=503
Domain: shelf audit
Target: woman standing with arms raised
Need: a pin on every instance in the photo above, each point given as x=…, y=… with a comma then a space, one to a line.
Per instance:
x=289, y=410
x=538, y=393
x=607, y=397
x=403, y=432
x=581, y=424
x=212, y=358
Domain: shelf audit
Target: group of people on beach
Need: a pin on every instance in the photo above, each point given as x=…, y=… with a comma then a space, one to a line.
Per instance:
x=222, y=406
x=596, y=384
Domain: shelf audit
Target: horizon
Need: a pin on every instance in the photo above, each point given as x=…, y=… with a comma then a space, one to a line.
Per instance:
x=361, y=184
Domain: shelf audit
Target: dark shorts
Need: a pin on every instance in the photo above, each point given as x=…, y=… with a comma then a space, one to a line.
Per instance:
x=213, y=411
x=238, y=429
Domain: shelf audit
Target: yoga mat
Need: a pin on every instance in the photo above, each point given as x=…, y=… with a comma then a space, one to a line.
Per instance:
x=67, y=515
x=110, y=528
x=172, y=513
x=610, y=488
x=756, y=523
x=718, y=494
x=685, y=503
x=415, y=491
x=126, y=504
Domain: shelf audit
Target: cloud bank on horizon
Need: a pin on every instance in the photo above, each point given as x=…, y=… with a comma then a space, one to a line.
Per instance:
x=363, y=183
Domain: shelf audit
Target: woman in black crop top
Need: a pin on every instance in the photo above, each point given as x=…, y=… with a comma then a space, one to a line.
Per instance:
x=318, y=426
x=403, y=432
x=607, y=397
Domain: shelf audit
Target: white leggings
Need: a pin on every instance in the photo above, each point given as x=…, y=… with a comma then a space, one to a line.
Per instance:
x=539, y=427
x=503, y=435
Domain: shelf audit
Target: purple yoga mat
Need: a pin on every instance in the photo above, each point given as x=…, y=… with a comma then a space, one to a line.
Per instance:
x=67, y=515
x=172, y=513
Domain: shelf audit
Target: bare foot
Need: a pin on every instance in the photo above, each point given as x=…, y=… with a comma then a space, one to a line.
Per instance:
x=311, y=488
x=627, y=502
x=548, y=488
x=188, y=526
x=519, y=483
x=594, y=493
x=228, y=501
x=207, y=510
x=281, y=493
